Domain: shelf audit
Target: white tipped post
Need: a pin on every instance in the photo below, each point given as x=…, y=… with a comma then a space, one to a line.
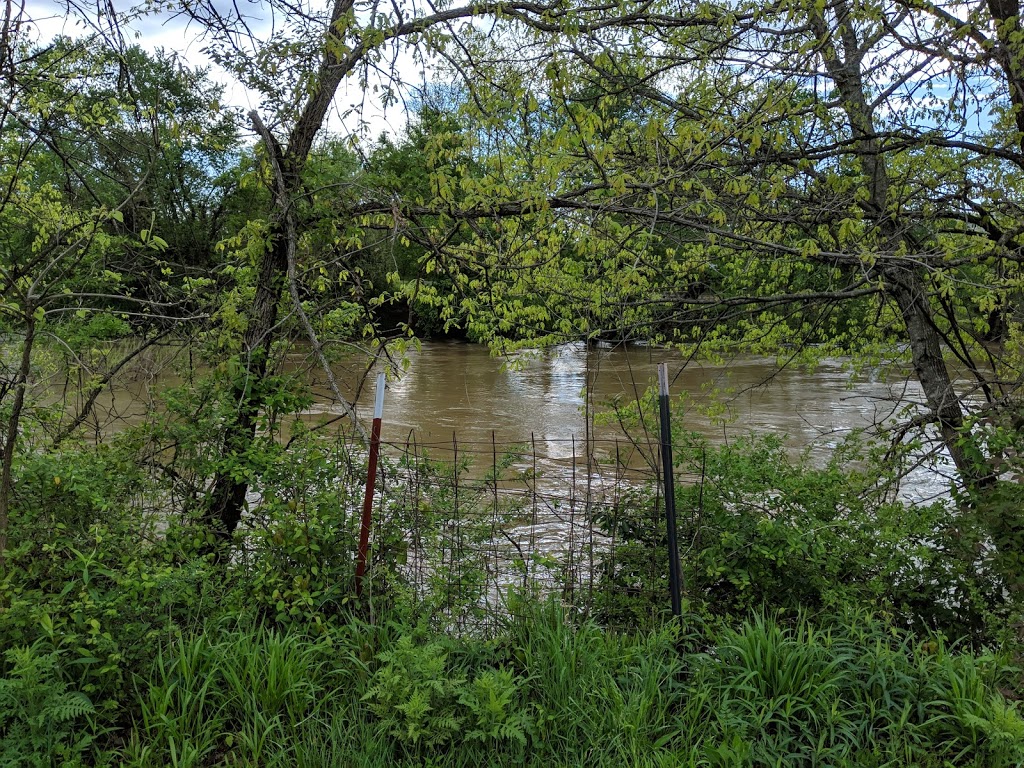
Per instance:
x=371, y=478
x=378, y=404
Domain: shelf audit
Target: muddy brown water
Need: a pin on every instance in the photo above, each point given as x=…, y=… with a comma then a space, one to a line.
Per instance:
x=457, y=392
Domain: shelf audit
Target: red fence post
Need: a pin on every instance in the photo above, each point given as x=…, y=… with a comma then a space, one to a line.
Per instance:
x=371, y=479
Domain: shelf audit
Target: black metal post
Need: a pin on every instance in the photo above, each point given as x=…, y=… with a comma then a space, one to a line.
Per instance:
x=674, y=572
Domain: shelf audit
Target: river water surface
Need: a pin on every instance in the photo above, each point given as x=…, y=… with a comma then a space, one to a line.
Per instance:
x=460, y=392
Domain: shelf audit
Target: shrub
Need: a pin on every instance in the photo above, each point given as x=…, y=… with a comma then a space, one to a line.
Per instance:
x=761, y=529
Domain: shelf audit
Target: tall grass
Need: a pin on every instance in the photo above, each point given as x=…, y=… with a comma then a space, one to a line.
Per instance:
x=855, y=694
x=610, y=696
x=240, y=694
x=764, y=693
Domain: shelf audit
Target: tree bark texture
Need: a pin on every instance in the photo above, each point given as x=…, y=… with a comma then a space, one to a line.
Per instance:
x=904, y=283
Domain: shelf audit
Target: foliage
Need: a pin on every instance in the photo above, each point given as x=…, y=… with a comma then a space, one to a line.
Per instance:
x=84, y=582
x=414, y=693
x=96, y=144
x=852, y=692
x=836, y=696
x=585, y=683
x=242, y=691
x=720, y=176
x=762, y=528
x=421, y=701
x=40, y=719
x=494, y=708
x=184, y=440
x=302, y=568
x=195, y=664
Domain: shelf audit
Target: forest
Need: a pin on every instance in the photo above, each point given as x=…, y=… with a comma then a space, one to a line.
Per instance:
x=802, y=180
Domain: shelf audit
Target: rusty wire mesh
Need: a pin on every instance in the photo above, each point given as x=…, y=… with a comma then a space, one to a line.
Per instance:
x=488, y=521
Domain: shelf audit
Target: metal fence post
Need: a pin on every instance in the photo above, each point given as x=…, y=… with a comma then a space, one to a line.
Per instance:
x=674, y=572
x=371, y=479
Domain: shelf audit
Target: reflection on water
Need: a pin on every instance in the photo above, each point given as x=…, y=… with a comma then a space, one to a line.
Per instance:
x=460, y=389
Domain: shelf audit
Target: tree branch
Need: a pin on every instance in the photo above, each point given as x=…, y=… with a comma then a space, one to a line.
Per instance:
x=287, y=213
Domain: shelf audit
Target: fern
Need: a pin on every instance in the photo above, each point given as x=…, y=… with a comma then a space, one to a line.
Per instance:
x=70, y=706
x=414, y=694
x=38, y=714
x=491, y=704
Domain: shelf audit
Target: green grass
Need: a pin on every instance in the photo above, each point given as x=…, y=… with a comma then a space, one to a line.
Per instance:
x=550, y=692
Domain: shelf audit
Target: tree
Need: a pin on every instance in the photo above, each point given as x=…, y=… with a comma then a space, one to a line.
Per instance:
x=83, y=136
x=299, y=69
x=785, y=175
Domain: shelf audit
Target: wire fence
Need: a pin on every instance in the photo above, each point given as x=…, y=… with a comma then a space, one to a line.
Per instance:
x=486, y=521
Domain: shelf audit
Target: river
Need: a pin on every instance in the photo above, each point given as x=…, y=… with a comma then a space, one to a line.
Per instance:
x=460, y=392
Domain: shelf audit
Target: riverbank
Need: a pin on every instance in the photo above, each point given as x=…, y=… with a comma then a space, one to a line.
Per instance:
x=826, y=623
x=546, y=691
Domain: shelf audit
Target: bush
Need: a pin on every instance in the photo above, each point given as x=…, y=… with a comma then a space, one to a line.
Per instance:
x=84, y=583
x=764, y=530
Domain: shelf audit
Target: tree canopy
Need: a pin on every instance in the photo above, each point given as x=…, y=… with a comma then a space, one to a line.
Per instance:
x=800, y=179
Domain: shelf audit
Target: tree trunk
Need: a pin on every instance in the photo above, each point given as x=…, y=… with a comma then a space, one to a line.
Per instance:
x=1008, y=53
x=843, y=57
x=907, y=290
x=11, y=438
x=226, y=500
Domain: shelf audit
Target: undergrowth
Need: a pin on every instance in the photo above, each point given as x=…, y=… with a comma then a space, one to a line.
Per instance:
x=121, y=651
x=553, y=691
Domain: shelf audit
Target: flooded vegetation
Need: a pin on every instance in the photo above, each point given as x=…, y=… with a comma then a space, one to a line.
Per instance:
x=810, y=212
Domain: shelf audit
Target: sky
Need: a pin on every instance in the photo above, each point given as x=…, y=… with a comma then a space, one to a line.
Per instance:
x=174, y=32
